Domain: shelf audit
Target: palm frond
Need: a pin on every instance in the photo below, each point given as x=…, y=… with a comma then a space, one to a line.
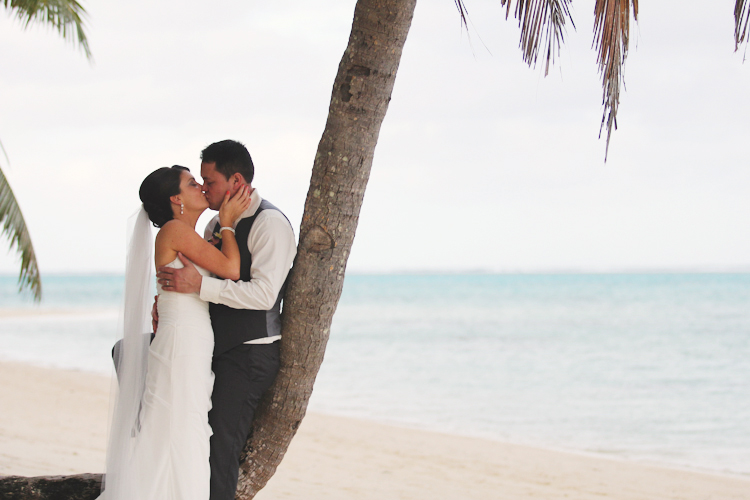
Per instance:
x=542, y=24
x=66, y=16
x=462, y=12
x=611, y=37
x=741, y=22
x=15, y=228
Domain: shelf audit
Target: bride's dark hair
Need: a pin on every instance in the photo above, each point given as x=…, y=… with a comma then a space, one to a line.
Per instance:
x=155, y=191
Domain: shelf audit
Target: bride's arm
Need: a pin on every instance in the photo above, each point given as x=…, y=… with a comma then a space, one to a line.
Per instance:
x=230, y=211
x=179, y=237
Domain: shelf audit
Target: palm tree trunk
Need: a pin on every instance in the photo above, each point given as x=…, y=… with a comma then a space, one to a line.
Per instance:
x=361, y=93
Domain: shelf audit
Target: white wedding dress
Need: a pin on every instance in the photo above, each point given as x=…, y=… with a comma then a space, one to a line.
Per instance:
x=171, y=447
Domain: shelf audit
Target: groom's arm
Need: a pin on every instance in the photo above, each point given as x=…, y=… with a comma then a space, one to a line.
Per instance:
x=272, y=246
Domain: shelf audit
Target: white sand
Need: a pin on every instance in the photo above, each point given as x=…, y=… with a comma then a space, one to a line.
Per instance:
x=54, y=422
x=51, y=421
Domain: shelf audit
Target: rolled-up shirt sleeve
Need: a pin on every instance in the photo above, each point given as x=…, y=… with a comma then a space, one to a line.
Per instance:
x=272, y=246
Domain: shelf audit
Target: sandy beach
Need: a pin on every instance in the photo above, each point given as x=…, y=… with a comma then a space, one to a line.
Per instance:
x=55, y=422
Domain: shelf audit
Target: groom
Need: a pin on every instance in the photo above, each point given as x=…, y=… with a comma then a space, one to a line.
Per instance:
x=245, y=314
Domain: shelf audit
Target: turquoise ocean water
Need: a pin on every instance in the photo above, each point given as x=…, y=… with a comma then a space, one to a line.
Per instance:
x=648, y=367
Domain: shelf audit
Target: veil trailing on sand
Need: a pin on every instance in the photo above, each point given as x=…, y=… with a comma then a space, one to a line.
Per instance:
x=130, y=357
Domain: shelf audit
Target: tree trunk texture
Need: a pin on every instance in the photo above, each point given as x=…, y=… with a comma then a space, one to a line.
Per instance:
x=361, y=93
x=80, y=487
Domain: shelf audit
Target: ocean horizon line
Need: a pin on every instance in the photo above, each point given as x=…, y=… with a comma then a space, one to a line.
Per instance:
x=468, y=272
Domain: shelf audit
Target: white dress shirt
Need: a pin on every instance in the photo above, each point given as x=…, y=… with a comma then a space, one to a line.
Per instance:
x=273, y=247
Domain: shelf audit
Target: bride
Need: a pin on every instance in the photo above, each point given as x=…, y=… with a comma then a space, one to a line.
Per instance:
x=159, y=437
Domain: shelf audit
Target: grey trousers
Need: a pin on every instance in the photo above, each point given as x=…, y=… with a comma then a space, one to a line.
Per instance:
x=242, y=375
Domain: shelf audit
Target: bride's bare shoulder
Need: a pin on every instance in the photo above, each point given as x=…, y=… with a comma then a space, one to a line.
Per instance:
x=173, y=234
x=173, y=228
x=170, y=239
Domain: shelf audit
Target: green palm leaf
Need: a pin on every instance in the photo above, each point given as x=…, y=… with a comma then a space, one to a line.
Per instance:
x=15, y=228
x=66, y=16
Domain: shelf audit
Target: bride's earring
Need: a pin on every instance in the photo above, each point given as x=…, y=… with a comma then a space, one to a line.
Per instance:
x=182, y=208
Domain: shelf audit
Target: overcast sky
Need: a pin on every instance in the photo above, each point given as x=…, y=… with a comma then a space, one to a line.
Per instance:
x=482, y=163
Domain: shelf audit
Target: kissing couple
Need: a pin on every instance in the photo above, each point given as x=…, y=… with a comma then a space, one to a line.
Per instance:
x=186, y=399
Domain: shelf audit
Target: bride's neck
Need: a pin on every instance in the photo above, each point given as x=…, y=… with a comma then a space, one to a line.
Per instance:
x=188, y=218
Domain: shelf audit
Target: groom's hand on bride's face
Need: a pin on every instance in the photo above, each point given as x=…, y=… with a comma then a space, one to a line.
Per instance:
x=185, y=280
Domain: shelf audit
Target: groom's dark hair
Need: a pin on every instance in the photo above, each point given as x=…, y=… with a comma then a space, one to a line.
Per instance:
x=231, y=157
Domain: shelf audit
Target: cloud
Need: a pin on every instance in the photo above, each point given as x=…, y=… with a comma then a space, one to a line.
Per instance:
x=481, y=162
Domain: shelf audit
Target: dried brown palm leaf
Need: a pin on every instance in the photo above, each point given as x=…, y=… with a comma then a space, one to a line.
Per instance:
x=611, y=37
x=542, y=24
x=741, y=22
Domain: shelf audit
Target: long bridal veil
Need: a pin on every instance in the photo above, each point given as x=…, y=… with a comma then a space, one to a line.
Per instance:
x=130, y=357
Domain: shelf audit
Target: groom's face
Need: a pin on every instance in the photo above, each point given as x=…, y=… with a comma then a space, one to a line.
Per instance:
x=215, y=185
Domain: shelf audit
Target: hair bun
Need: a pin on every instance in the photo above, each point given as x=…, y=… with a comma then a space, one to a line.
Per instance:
x=157, y=214
x=155, y=191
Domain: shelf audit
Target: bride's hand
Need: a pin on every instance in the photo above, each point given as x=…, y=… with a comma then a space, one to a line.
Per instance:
x=232, y=208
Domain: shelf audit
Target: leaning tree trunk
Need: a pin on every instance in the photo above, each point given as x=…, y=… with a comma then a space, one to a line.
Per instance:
x=361, y=93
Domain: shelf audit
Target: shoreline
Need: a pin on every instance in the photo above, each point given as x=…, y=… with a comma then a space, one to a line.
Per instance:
x=21, y=312
x=54, y=421
x=544, y=448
